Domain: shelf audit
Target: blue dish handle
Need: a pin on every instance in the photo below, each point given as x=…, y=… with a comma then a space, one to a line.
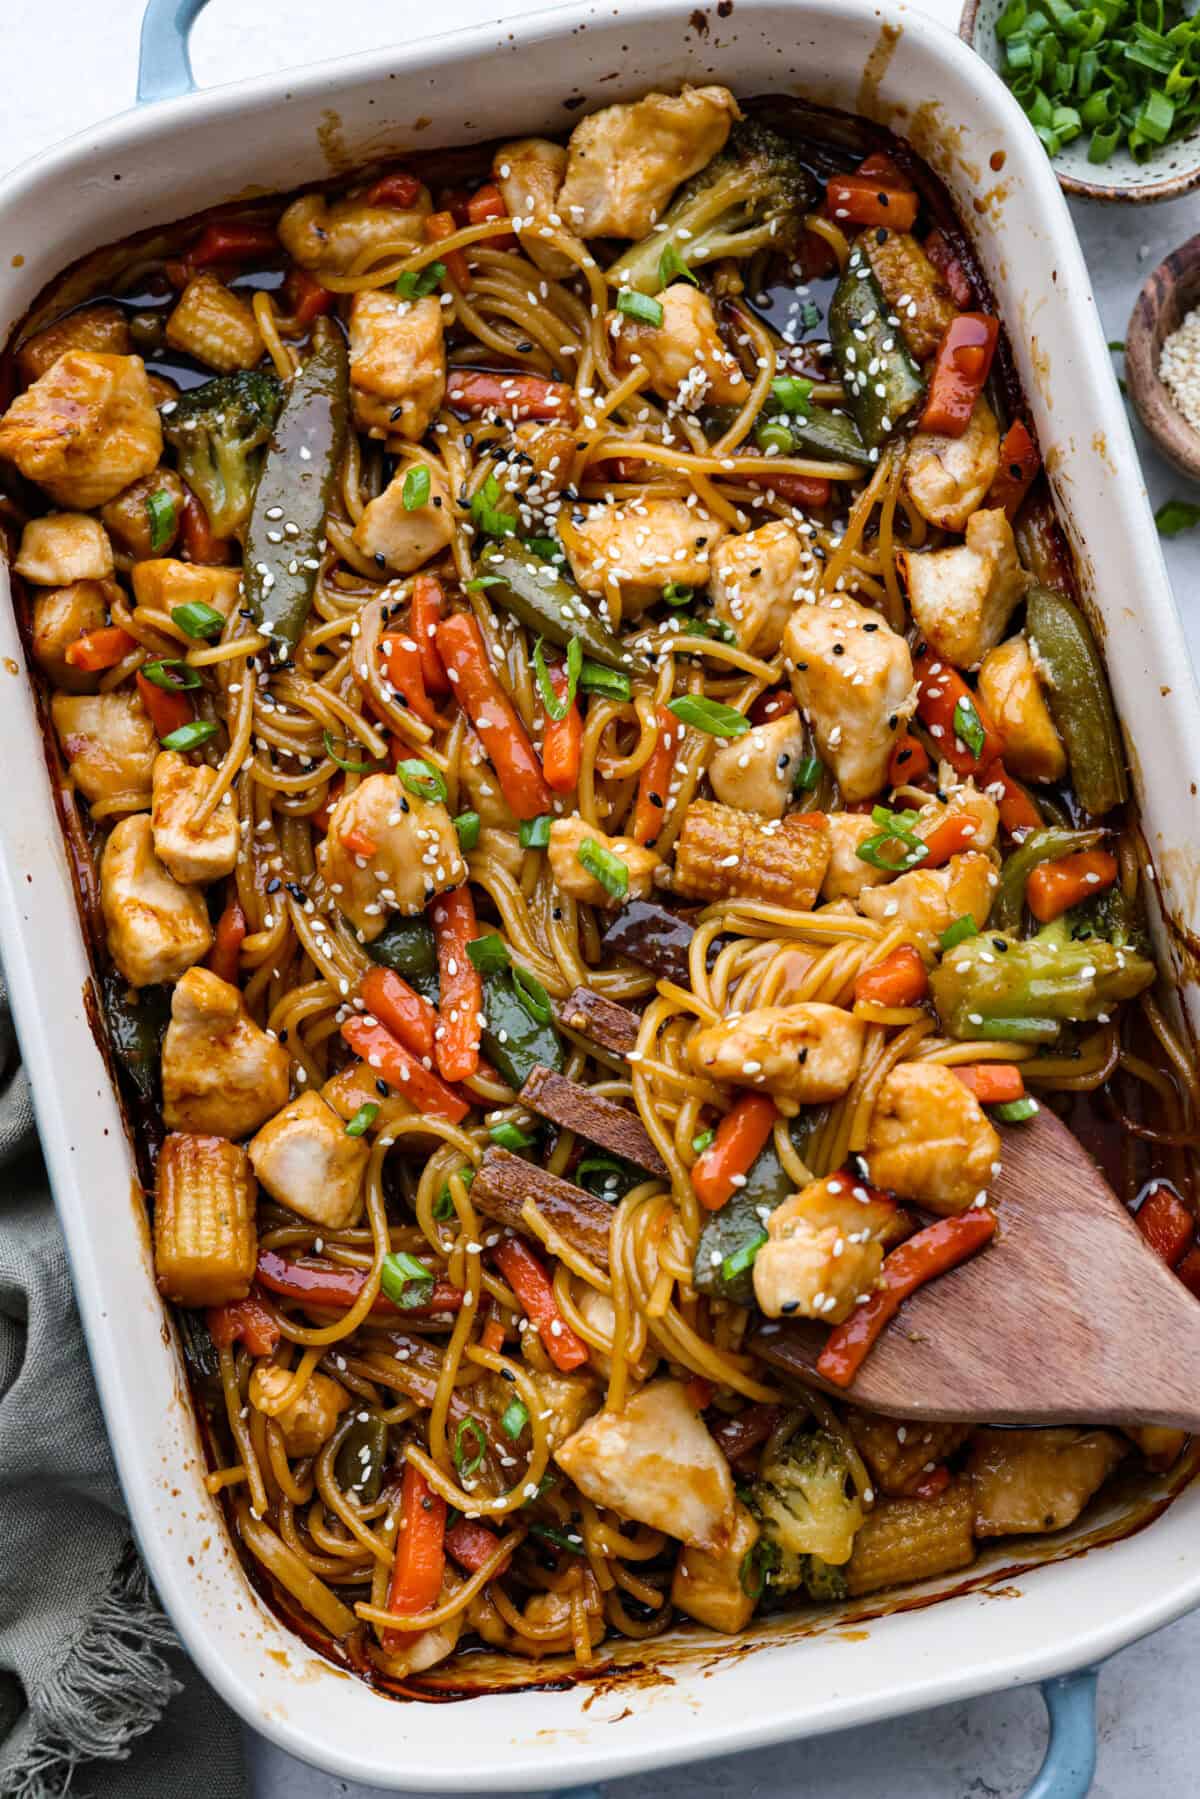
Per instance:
x=164, y=64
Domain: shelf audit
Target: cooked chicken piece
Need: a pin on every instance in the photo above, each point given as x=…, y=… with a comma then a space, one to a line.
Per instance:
x=330, y=239
x=929, y=1139
x=85, y=429
x=163, y=584
x=965, y=801
x=912, y=288
x=808, y=1053
x=156, y=928
x=567, y=1401
x=757, y=772
x=655, y=1462
x=852, y=677
x=215, y=325
x=481, y=789
x=395, y=538
x=539, y=463
x=503, y=847
x=128, y=519
x=354, y=1087
x=963, y=598
x=723, y=854
x=688, y=363
x=415, y=853
x=758, y=581
x=707, y=1584
x=305, y=1160
x=1159, y=1444
x=308, y=1421
x=205, y=1245
x=847, y=874
x=101, y=327
x=902, y=1455
x=221, y=1075
x=824, y=1249
x=1036, y=1480
x=639, y=547
x=948, y=477
x=624, y=163
x=64, y=547
x=929, y=900
x=397, y=363
x=529, y=173
x=641, y=1356
x=200, y=853
x=109, y=744
x=568, y=837
x=61, y=615
x=1010, y=689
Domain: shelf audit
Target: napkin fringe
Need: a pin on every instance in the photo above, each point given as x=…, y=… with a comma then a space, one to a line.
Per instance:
x=110, y=1690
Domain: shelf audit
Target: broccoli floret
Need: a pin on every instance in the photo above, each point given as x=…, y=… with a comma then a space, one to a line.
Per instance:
x=809, y=1513
x=994, y=985
x=752, y=196
x=219, y=432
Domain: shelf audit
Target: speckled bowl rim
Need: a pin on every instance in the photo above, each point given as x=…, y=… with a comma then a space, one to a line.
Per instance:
x=1172, y=188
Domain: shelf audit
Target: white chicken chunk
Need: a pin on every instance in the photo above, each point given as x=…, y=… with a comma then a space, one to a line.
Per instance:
x=397, y=363
x=641, y=1355
x=758, y=580
x=807, y=1053
x=1035, y=1480
x=625, y=162
x=199, y=853
x=403, y=540
x=708, y=1585
x=852, y=676
x=962, y=598
x=566, y=1402
x=162, y=584
x=61, y=616
x=100, y=327
x=221, y=1075
x=657, y=1463
x=1010, y=689
x=64, y=547
x=948, y=477
x=975, y=808
x=688, y=363
x=109, y=744
x=388, y=851
x=332, y=239
x=85, y=429
x=572, y=877
x=307, y=1421
x=127, y=519
x=639, y=547
x=215, y=325
x=305, y=1160
x=824, y=1248
x=156, y=928
x=757, y=772
x=929, y=900
x=930, y=1140
x=529, y=172
x=847, y=874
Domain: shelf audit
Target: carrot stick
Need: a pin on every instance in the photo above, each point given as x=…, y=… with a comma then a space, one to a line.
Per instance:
x=562, y=743
x=167, y=710
x=942, y=691
x=420, y=1554
x=909, y=760
x=809, y=492
x=456, y=1045
x=1019, y=464
x=472, y=1545
x=531, y=1284
x=950, y=837
x=305, y=298
x=461, y=647
x=899, y=980
x=741, y=1134
x=438, y=227
x=233, y=241
x=487, y=203
x=102, y=648
x=400, y=1010
x=406, y=673
x=424, y=615
x=243, y=1321
x=992, y=1083
x=654, y=781
x=328, y=1287
x=402, y=1071
x=960, y=369
x=1018, y=812
x=1053, y=887
x=875, y=194
x=933, y=1251
x=516, y=396
x=1165, y=1223
x=224, y=958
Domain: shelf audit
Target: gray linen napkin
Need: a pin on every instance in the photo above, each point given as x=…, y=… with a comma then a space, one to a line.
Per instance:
x=95, y=1693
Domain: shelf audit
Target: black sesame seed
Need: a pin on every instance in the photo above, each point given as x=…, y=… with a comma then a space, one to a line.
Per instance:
x=274, y=884
x=382, y=1088
x=839, y=649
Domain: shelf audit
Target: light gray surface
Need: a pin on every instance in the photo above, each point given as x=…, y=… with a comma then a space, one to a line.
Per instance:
x=81, y=67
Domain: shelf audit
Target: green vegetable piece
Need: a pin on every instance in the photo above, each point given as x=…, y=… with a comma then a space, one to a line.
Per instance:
x=712, y=716
x=534, y=833
x=422, y=779
x=295, y=488
x=603, y=866
x=470, y=1447
x=742, y=1259
x=818, y=432
x=728, y=1234
x=351, y=768
x=545, y=602
x=1174, y=516
x=595, y=679
x=137, y=1019
x=968, y=727
x=553, y=706
x=172, y=674
x=608, y=1177
x=997, y=987
x=468, y=826
x=570, y=1540
x=1040, y=846
x=959, y=931
x=219, y=432
x=362, y=1458
x=198, y=619
x=511, y=1136
x=807, y=774
x=514, y=1040
x=1015, y=1111
x=363, y=1119
x=514, y=1419
x=487, y=510
x=414, y=284
x=640, y=307
x=415, y=492
x=406, y=945
x=860, y=325
x=406, y=1281
x=701, y=1141
x=1079, y=696
x=671, y=265
x=807, y=1506
x=160, y=508
x=189, y=736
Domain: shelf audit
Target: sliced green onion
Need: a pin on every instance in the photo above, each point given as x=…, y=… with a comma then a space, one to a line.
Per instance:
x=514, y=1418
x=1174, y=516
x=414, y=284
x=511, y=1136
x=534, y=833
x=160, y=507
x=810, y=315
x=670, y=265
x=1015, y=1111
x=639, y=306
x=351, y=768
x=422, y=779
x=532, y=994
x=415, y=492
x=606, y=1176
x=711, y=716
x=678, y=593
x=720, y=628
x=488, y=954
x=485, y=510
x=791, y=393
x=467, y=824
x=959, y=931
x=895, y=831
x=171, y=673
x=482, y=581
x=553, y=706
x=968, y=726
x=407, y=1282
x=546, y=549
x=606, y=868
x=742, y=1258
x=569, y=1540
x=443, y=1205
x=467, y=1460
x=197, y=619
x=363, y=1119
x=701, y=1141
x=1017, y=1030
x=773, y=434
x=807, y=775
x=593, y=678
x=190, y=736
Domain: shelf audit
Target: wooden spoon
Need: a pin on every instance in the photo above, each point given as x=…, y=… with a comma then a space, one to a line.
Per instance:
x=1065, y=1318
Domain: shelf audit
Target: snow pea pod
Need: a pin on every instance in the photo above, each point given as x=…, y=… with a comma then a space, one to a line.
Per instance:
x=1039, y=846
x=1080, y=700
x=545, y=603
x=881, y=380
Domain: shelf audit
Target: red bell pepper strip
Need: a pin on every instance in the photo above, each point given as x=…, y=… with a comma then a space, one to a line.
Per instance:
x=488, y=203
x=243, y=1321
x=942, y=255
x=745, y=1431
x=167, y=710
x=473, y=1545
x=960, y=369
x=654, y=781
x=1019, y=464
x=949, y=838
x=224, y=958
x=1165, y=1223
x=992, y=1083
x=809, y=492
x=909, y=761
x=456, y=1046
x=535, y=1294
x=306, y=299
x=405, y=672
x=933, y=1483
x=933, y=1251
x=942, y=690
x=397, y=189
x=478, y=391
x=816, y=257
x=200, y=544
x=400, y=1009
x=721, y=1169
x=420, y=1555
x=404, y=1074
x=438, y=227
x=461, y=647
x=875, y=194
x=899, y=980
x=774, y=703
x=1189, y=1272
x=424, y=616
x=232, y=242
x=700, y=1391
x=102, y=648
x=331, y=1288
x=562, y=742
x=1053, y=887
x=1017, y=810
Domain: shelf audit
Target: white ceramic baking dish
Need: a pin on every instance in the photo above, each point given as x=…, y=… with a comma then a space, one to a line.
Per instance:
x=792, y=1679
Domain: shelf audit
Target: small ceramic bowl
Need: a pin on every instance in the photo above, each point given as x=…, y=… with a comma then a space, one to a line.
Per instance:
x=1172, y=170
x=1167, y=297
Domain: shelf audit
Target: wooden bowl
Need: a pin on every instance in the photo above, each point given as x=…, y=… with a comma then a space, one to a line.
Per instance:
x=1166, y=298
